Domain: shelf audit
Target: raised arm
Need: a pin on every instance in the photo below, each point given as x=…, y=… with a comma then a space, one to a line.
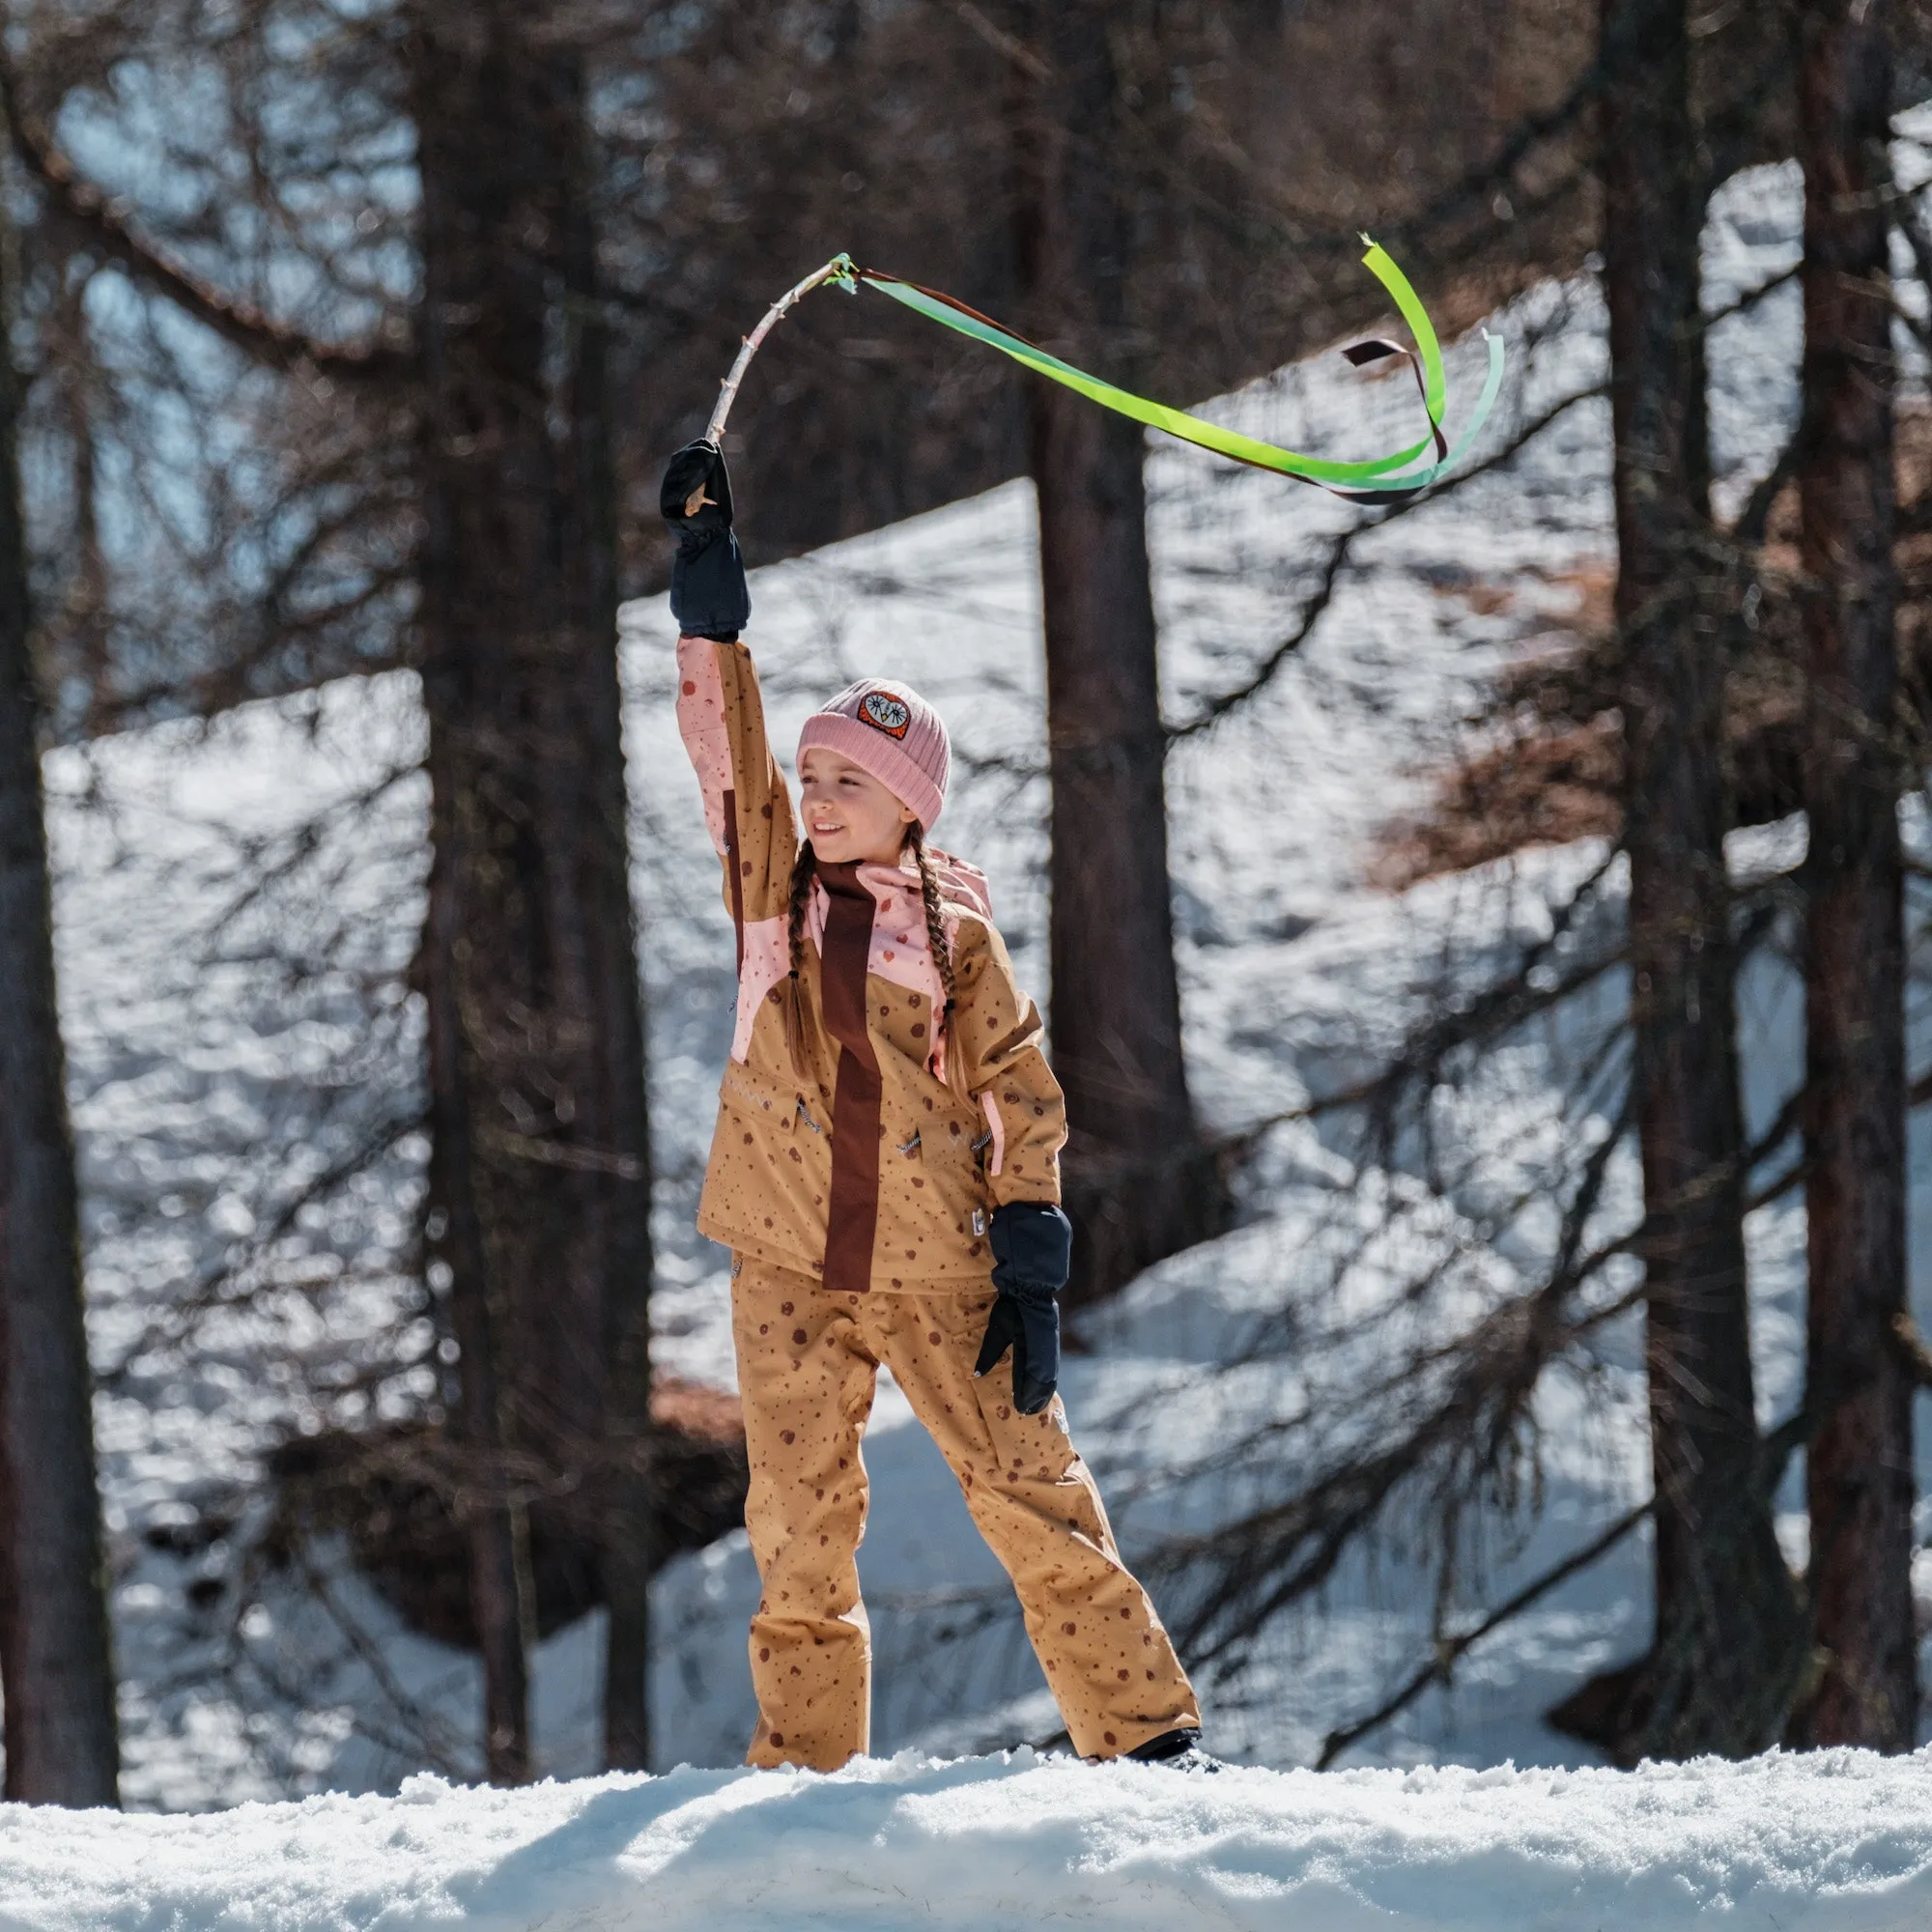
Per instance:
x=721, y=713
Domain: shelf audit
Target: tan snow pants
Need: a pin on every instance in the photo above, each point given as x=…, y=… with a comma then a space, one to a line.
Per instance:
x=808, y=1361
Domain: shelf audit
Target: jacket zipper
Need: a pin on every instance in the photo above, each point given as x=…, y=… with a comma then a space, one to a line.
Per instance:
x=806, y=1117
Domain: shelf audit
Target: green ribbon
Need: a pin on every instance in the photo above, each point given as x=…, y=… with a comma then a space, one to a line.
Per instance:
x=1386, y=477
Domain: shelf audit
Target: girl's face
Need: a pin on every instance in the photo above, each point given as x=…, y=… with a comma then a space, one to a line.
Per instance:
x=849, y=816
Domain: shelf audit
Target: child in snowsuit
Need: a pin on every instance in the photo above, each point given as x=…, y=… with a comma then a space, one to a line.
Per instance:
x=884, y=1170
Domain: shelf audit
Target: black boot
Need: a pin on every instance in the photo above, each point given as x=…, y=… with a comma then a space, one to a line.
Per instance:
x=1177, y=1751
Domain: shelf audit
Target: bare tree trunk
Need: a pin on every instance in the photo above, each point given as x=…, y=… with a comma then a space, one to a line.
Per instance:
x=1728, y=1647
x=454, y=1241
x=59, y=1686
x=537, y=1079
x=1858, y=1466
x=598, y=913
x=1140, y=1182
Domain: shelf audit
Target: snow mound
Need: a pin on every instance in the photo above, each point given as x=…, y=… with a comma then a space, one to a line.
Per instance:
x=1840, y=1839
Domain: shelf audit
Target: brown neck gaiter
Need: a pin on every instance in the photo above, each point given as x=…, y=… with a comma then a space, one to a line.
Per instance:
x=852, y=1218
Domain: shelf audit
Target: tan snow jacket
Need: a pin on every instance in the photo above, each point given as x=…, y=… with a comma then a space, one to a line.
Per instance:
x=856, y=1160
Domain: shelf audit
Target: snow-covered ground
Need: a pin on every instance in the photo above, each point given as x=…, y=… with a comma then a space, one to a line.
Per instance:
x=237, y=904
x=1838, y=1842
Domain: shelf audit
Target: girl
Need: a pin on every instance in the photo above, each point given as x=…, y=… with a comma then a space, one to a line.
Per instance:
x=884, y=1170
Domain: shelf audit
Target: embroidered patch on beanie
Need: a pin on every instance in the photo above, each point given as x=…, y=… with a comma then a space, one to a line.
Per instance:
x=886, y=713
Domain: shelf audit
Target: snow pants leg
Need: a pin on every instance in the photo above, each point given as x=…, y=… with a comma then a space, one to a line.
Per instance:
x=807, y=1364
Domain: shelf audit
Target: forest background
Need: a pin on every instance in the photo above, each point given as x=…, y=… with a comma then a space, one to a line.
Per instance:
x=346, y=343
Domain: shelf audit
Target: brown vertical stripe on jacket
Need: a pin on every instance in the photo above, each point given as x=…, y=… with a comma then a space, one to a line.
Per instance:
x=852, y=1224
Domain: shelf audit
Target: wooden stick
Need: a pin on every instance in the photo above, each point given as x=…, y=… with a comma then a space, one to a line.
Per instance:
x=714, y=432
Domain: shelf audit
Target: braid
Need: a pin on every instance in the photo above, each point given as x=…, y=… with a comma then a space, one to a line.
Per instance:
x=803, y=872
x=935, y=927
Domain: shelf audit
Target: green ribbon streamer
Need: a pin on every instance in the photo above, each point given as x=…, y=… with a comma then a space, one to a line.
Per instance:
x=1379, y=479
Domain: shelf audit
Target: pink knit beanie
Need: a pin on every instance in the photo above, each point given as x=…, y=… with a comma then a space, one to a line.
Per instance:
x=890, y=731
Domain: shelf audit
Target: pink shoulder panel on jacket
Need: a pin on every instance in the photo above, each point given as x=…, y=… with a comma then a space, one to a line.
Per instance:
x=961, y=882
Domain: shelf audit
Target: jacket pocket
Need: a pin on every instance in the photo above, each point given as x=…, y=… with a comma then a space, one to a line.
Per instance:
x=770, y=1172
x=776, y=1106
x=937, y=1203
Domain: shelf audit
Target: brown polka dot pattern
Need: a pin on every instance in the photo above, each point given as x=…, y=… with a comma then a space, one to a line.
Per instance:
x=805, y=1404
x=768, y=1182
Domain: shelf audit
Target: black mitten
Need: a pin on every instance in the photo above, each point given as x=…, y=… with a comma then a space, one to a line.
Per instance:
x=708, y=594
x=1032, y=1248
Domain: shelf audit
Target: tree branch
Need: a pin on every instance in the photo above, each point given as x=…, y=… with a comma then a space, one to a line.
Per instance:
x=84, y=207
x=1222, y=702
x=1450, y=1651
x=1258, y=680
x=1008, y=46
